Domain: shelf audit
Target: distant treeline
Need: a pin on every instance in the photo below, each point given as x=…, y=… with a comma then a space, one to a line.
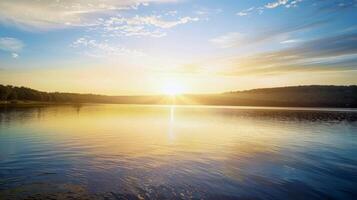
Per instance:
x=13, y=94
x=296, y=96
x=300, y=96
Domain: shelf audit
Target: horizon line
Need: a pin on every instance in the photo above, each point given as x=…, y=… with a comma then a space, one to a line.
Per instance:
x=183, y=94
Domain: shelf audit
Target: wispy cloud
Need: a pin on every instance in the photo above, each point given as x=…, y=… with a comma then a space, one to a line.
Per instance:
x=336, y=53
x=152, y=25
x=37, y=14
x=246, y=11
x=152, y=20
x=228, y=40
x=14, y=55
x=289, y=41
x=94, y=48
x=102, y=16
x=11, y=45
x=270, y=5
x=331, y=6
x=276, y=3
x=235, y=39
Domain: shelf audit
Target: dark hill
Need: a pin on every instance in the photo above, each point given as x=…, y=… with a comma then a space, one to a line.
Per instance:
x=310, y=96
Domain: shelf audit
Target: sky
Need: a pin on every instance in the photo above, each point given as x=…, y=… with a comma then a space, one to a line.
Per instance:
x=132, y=47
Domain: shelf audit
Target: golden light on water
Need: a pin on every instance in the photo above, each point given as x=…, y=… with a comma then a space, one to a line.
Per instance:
x=139, y=131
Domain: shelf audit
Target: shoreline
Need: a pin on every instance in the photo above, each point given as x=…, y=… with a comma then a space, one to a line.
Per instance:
x=22, y=104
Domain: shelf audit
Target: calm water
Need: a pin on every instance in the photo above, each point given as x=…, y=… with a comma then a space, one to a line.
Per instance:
x=165, y=152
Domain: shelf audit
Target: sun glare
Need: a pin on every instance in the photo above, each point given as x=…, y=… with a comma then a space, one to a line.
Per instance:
x=172, y=89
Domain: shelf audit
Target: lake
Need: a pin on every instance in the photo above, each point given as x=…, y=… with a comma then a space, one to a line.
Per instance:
x=177, y=152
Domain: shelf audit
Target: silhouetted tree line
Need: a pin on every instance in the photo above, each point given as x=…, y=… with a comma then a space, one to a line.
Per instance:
x=299, y=96
x=12, y=93
x=310, y=96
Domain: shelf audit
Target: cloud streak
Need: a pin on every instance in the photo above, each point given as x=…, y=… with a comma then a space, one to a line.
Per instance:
x=44, y=15
x=276, y=4
x=338, y=53
x=11, y=45
x=235, y=39
x=246, y=11
x=96, y=48
x=321, y=6
x=228, y=40
x=270, y=5
x=152, y=25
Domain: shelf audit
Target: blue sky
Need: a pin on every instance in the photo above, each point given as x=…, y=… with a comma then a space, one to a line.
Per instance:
x=199, y=46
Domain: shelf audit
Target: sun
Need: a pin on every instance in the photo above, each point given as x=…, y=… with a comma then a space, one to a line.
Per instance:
x=172, y=88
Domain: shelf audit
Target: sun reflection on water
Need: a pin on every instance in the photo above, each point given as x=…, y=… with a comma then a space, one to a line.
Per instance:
x=171, y=123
